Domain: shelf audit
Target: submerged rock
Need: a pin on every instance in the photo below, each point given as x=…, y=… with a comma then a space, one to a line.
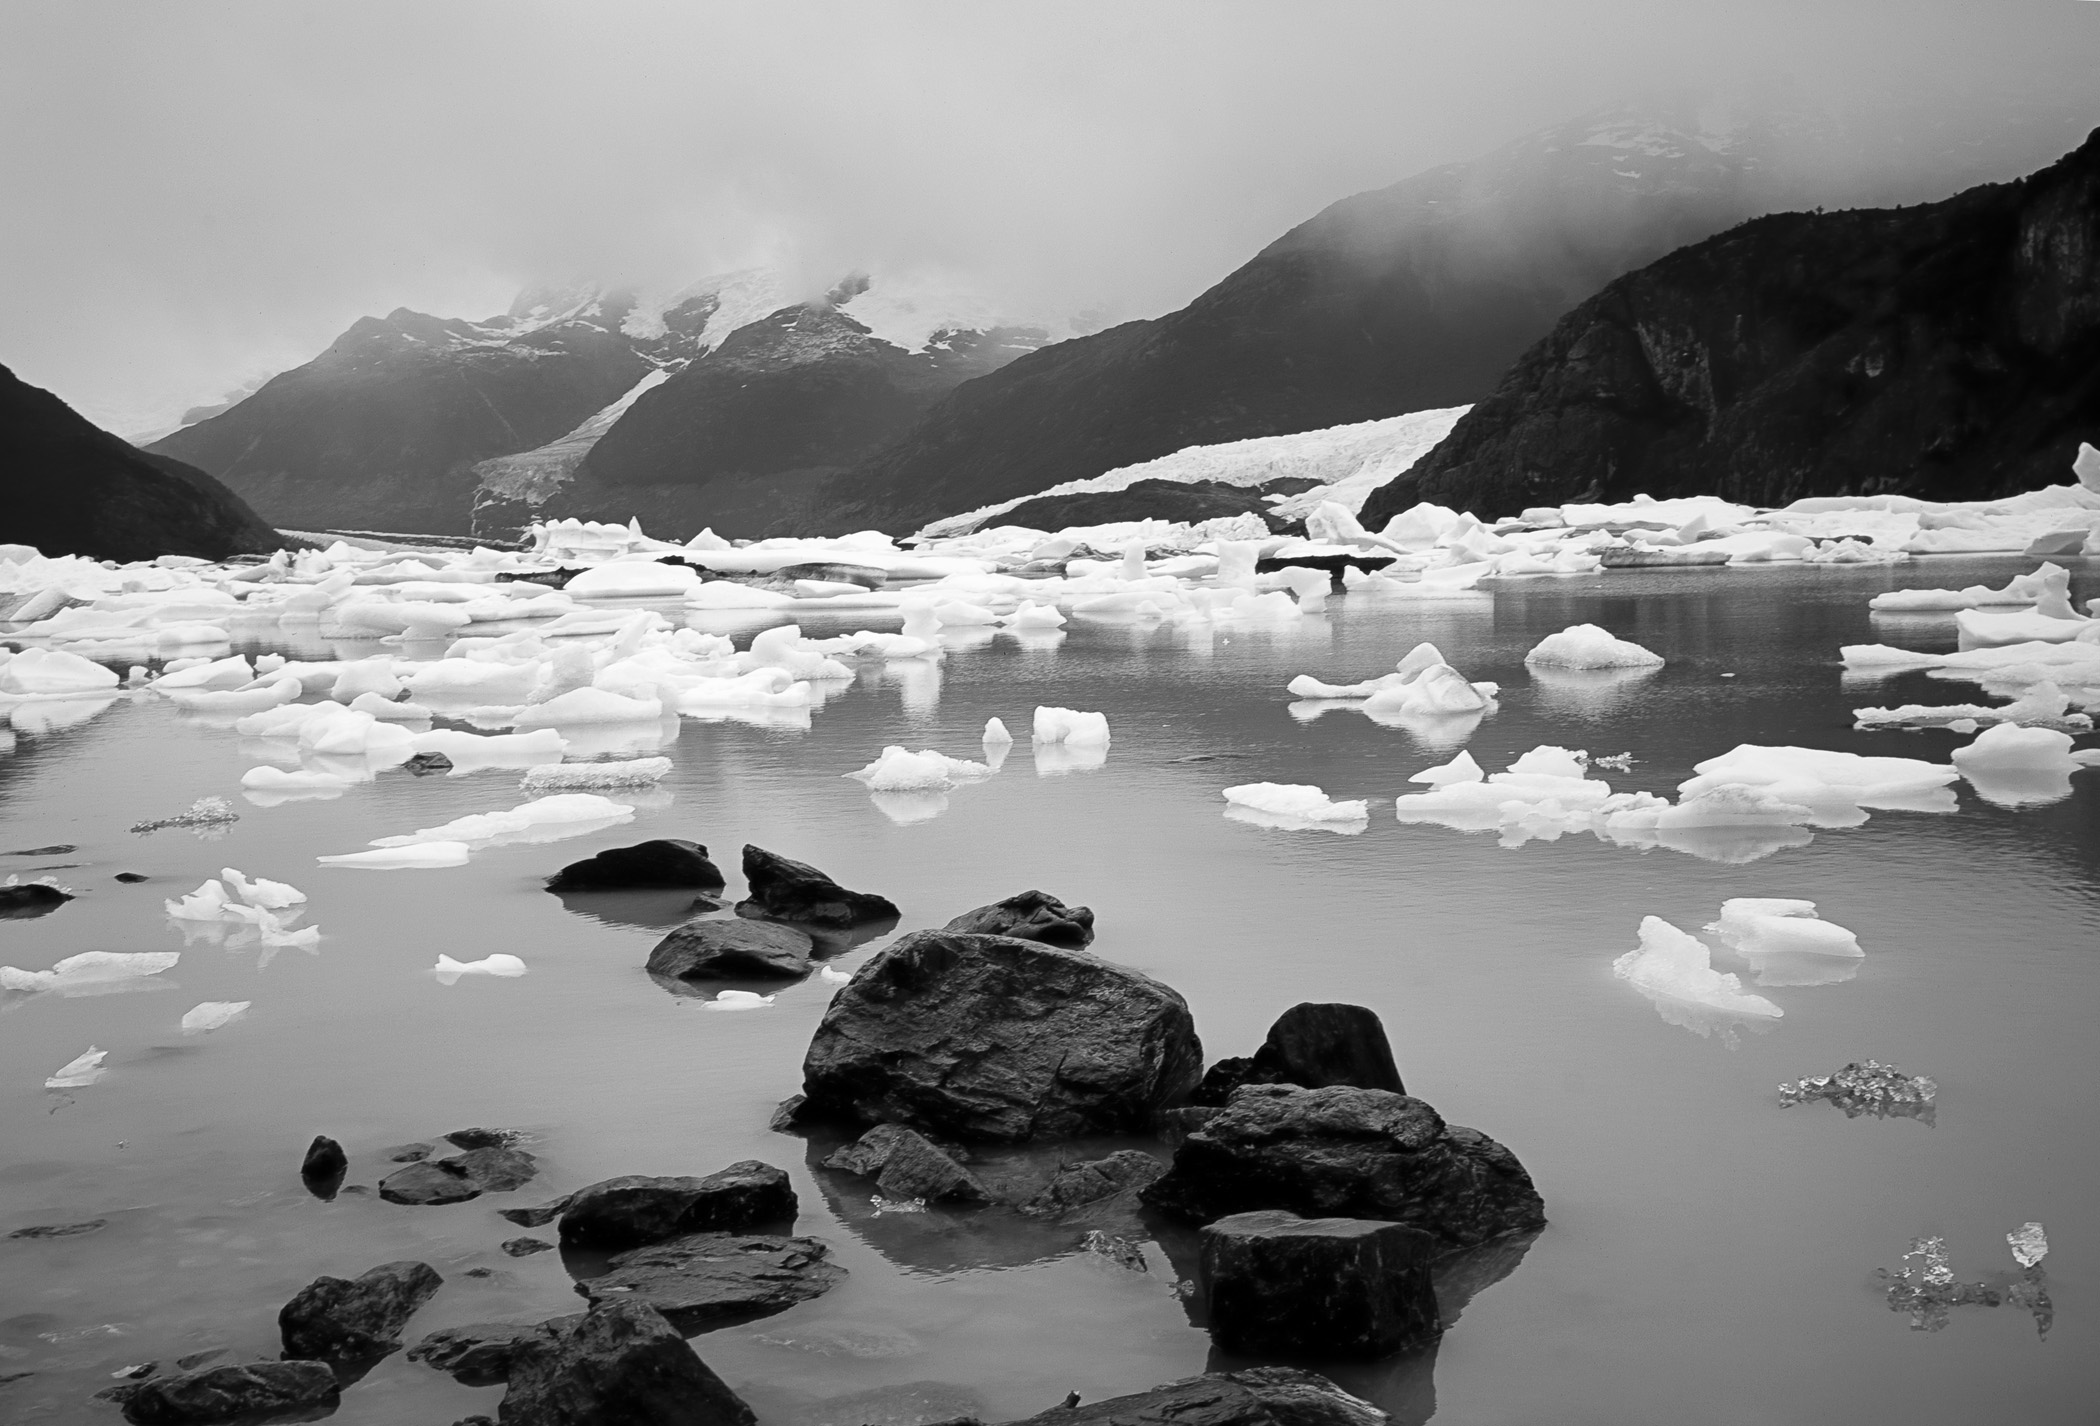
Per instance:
x=732, y=950
x=481, y=1353
x=1347, y=1152
x=705, y=1280
x=784, y=890
x=619, y=1363
x=337, y=1320
x=1262, y=1396
x=59, y=1230
x=1281, y=1285
x=537, y=1217
x=991, y=1038
x=905, y=1165
x=1079, y=1185
x=258, y=1391
x=525, y=1247
x=1030, y=916
x=430, y=1182
x=626, y=1212
x=663, y=862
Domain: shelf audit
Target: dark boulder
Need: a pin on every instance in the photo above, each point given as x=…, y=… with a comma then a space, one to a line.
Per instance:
x=481, y=1354
x=625, y=1212
x=408, y=1153
x=430, y=1182
x=132, y=878
x=323, y=1168
x=1348, y=1153
x=664, y=862
x=706, y=1280
x=59, y=1230
x=784, y=890
x=337, y=1320
x=620, y=1364
x=424, y=764
x=905, y=1165
x=1030, y=916
x=1127, y=1171
x=990, y=1038
x=483, y=1138
x=1262, y=1396
x=259, y=1391
x=1281, y=1285
x=525, y=1247
x=732, y=950
x=536, y=1217
x=1312, y=1046
x=26, y=900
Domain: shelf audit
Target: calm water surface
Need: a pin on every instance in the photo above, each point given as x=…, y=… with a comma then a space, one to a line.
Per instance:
x=1710, y=1256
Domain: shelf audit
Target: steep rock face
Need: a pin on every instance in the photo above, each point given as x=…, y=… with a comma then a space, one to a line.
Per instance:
x=71, y=488
x=382, y=430
x=1410, y=297
x=740, y=441
x=1946, y=351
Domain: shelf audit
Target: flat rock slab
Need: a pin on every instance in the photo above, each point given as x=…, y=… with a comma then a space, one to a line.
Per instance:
x=986, y=1038
x=1263, y=1396
x=257, y=1391
x=664, y=862
x=705, y=1280
x=786, y=890
x=630, y=1211
x=732, y=949
x=1030, y=916
x=1281, y=1285
x=481, y=1353
x=430, y=1182
x=1348, y=1153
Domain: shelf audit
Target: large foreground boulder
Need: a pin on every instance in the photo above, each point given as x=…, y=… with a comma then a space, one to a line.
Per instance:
x=732, y=949
x=1262, y=1396
x=1030, y=916
x=338, y=1320
x=706, y=1280
x=1312, y=1045
x=992, y=1039
x=620, y=1364
x=259, y=1391
x=627, y=1212
x=784, y=890
x=665, y=862
x=1348, y=1153
x=1281, y=1285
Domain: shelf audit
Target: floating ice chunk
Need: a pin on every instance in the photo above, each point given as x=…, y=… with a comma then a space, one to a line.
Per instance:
x=206, y=903
x=1670, y=965
x=416, y=857
x=899, y=770
x=449, y=970
x=833, y=976
x=1460, y=769
x=761, y=688
x=1032, y=615
x=1073, y=729
x=728, y=594
x=1764, y=925
x=470, y=752
x=581, y=706
x=2007, y=748
x=1436, y=689
x=2028, y=1242
x=1588, y=646
x=89, y=968
x=1296, y=800
x=1816, y=777
x=272, y=895
x=1870, y=1088
x=348, y=734
x=238, y=700
x=633, y=772
x=1983, y=629
x=955, y=613
x=209, y=673
x=995, y=732
x=80, y=1073
x=2020, y=589
x=360, y=676
x=277, y=779
x=737, y=1000
x=544, y=819
x=635, y=579
x=213, y=1015
x=388, y=710
x=49, y=673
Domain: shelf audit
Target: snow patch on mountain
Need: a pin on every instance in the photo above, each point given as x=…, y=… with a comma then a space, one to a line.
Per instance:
x=1349, y=462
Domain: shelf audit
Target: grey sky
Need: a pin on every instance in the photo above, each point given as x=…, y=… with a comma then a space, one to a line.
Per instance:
x=196, y=191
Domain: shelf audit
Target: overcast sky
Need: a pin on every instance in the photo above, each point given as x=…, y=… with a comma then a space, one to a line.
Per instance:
x=193, y=192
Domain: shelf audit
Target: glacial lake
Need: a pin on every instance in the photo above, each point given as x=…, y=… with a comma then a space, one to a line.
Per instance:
x=1710, y=1255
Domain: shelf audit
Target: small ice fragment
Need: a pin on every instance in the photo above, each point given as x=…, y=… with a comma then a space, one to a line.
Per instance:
x=836, y=977
x=1284, y=799
x=1074, y=729
x=1460, y=769
x=272, y=895
x=81, y=1072
x=1764, y=925
x=213, y=1015
x=204, y=812
x=995, y=732
x=418, y=856
x=558, y=777
x=737, y=1000
x=2029, y=1244
x=449, y=970
x=1868, y=1087
x=89, y=968
x=204, y=904
x=1669, y=964
x=1588, y=646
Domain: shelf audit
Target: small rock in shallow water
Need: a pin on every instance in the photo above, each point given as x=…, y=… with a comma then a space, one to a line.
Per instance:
x=704, y=1280
x=56, y=850
x=1030, y=916
x=408, y=1153
x=424, y=764
x=1261, y=1396
x=60, y=1230
x=335, y=1319
x=132, y=878
x=664, y=862
x=732, y=950
x=432, y=1182
x=480, y=1354
x=324, y=1167
x=626, y=1212
x=785, y=890
x=538, y=1217
x=526, y=1247
x=256, y=1391
x=24, y=900
x=905, y=1164
x=483, y=1138
x=197, y=1359
x=1077, y=1185
x=622, y=1362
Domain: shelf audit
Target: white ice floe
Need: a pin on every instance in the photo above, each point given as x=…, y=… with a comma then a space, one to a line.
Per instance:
x=995, y=732
x=449, y=970
x=1422, y=685
x=737, y=1000
x=631, y=773
x=1073, y=729
x=79, y=1073
x=258, y=891
x=54, y=673
x=213, y=1015
x=544, y=819
x=2011, y=766
x=900, y=770
x=1675, y=971
x=833, y=976
x=471, y=752
x=2021, y=589
x=416, y=857
x=1588, y=646
x=277, y=779
x=89, y=970
x=1785, y=942
x=1295, y=803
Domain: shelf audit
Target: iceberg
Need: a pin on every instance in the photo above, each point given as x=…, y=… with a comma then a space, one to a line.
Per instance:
x=1785, y=943
x=89, y=969
x=449, y=970
x=213, y=1015
x=737, y=1000
x=1073, y=729
x=272, y=895
x=899, y=770
x=79, y=1073
x=1675, y=970
x=628, y=773
x=1588, y=646
x=1295, y=801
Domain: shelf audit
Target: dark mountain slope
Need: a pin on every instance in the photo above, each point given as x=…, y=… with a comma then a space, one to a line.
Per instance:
x=71, y=488
x=1948, y=351
x=1407, y=298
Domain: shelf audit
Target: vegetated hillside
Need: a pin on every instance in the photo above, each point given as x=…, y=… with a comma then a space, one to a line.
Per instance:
x=1409, y=298
x=1947, y=351
x=69, y=487
x=382, y=430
